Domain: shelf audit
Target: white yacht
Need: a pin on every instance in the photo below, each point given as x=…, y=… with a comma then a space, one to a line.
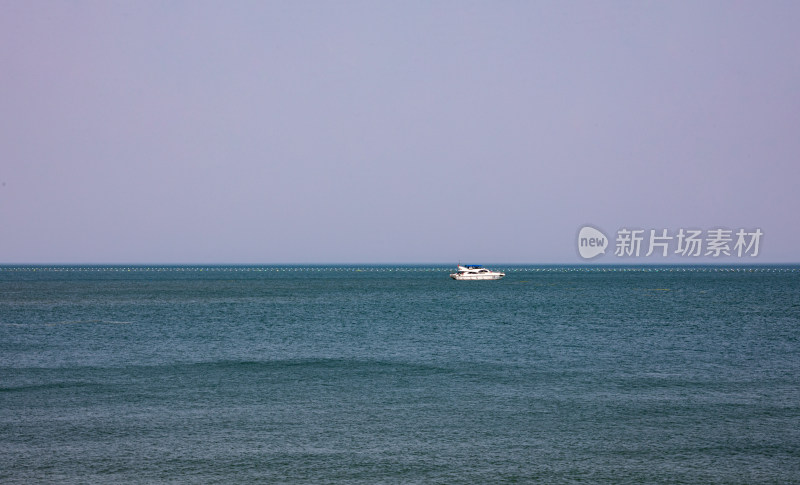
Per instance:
x=475, y=272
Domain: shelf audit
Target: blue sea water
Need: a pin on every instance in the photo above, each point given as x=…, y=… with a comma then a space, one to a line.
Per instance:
x=398, y=374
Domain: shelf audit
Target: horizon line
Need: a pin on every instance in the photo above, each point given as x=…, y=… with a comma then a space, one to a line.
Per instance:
x=365, y=263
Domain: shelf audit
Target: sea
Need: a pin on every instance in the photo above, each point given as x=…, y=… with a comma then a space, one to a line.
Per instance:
x=369, y=374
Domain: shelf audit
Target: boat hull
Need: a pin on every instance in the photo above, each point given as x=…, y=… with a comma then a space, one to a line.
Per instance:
x=476, y=277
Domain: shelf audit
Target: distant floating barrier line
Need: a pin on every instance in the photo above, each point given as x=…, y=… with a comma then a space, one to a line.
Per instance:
x=398, y=269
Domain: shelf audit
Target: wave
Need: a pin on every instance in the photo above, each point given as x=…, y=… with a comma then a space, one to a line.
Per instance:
x=52, y=386
x=289, y=365
x=319, y=363
x=68, y=322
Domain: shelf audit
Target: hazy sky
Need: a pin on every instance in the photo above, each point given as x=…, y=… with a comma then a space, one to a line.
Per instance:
x=433, y=131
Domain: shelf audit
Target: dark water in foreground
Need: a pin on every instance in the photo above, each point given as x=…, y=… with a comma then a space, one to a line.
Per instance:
x=399, y=375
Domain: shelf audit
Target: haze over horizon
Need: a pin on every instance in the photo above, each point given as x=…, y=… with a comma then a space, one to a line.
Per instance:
x=396, y=132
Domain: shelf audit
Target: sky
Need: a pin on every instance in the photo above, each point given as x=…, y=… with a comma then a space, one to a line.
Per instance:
x=393, y=132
